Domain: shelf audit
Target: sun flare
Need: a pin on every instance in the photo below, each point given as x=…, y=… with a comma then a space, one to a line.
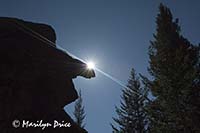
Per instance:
x=90, y=65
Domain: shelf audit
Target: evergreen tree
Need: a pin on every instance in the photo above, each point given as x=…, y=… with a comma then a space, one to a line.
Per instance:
x=79, y=112
x=131, y=113
x=175, y=68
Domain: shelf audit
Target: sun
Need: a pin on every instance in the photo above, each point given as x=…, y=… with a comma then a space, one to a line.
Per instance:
x=90, y=65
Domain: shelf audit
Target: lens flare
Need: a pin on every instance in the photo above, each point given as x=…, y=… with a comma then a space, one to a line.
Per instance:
x=90, y=65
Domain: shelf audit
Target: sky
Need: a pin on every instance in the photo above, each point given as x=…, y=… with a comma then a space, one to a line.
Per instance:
x=115, y=34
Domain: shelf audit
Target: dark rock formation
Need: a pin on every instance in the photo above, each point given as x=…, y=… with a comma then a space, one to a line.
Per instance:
x=35, y=77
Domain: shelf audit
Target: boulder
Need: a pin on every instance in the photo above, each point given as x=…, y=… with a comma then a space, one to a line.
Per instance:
x=35, y=77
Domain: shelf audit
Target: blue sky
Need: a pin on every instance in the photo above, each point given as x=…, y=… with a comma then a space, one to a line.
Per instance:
x=113, y=33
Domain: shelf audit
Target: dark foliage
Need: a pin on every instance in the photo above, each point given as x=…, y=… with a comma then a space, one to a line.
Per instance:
x=79, y=112
x=175, y=69
x=131, y=113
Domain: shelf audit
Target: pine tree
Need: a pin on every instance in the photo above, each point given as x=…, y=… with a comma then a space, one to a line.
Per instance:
x=131, y=113
x=174, y=66
x=79, y=112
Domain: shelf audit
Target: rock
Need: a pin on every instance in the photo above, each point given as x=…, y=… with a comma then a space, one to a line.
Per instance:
x=35, y=77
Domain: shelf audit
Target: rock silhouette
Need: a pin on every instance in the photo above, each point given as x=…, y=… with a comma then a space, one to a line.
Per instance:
x=35, y=78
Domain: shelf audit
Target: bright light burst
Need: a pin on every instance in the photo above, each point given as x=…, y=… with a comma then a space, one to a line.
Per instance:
x=90, y=65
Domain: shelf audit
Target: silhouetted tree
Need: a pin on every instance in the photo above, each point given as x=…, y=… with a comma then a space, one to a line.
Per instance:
x=175, y=68
x=131, y=113
x=79, y=112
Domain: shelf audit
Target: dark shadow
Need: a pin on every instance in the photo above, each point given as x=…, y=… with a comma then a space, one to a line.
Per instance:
x=35, y=77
